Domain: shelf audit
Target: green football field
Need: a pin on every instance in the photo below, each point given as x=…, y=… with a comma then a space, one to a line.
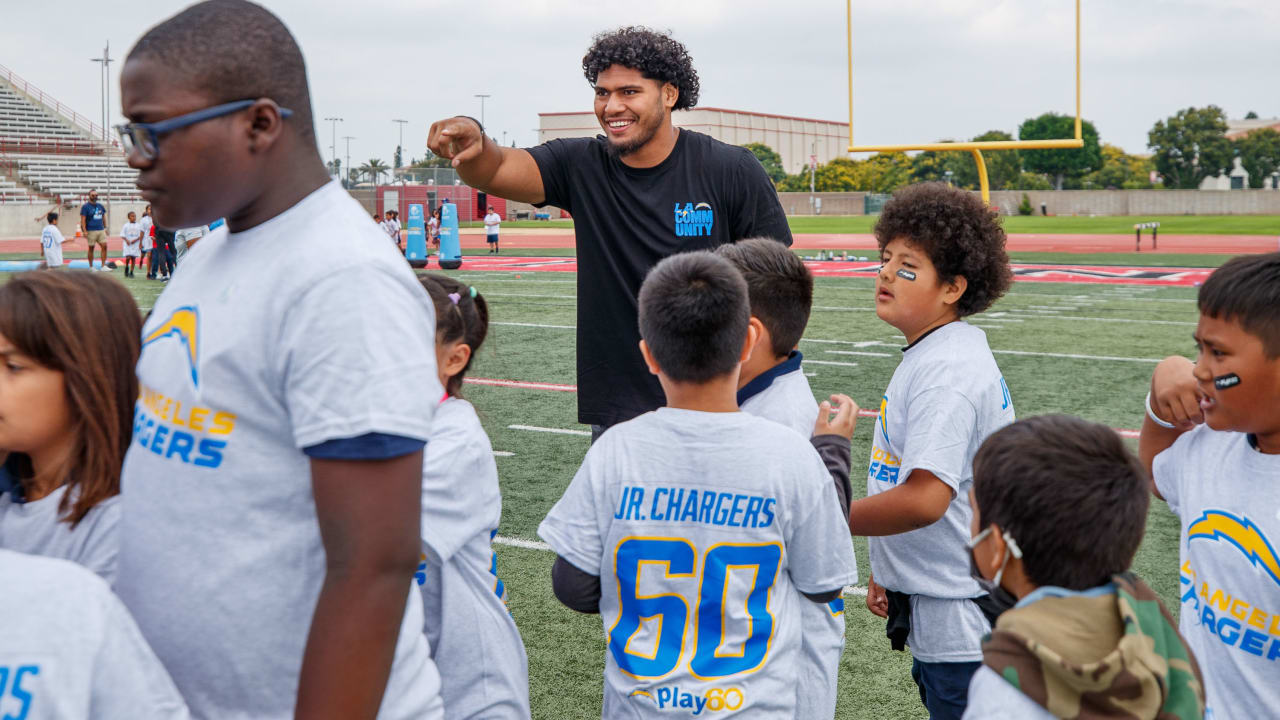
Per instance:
x=1087, y=350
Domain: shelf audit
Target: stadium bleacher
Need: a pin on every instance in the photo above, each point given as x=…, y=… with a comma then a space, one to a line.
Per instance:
x=46, y=158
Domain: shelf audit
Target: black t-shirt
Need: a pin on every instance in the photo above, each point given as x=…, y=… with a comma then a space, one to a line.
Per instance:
x=706, y=193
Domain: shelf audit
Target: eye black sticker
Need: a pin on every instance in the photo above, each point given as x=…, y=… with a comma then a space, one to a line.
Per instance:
x=1230, y=380
x=906, y=275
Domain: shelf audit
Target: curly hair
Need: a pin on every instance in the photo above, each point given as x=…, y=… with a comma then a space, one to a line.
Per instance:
x=656, y=55
x=961, y=236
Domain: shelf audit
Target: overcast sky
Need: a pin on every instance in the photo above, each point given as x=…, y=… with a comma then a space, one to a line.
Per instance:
x=923, y=69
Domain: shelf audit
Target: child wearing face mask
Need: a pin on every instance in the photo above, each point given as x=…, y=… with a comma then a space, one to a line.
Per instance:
x=1059, y=509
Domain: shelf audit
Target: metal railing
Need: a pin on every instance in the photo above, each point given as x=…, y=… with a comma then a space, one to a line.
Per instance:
x=41, y=146
x=94, y=130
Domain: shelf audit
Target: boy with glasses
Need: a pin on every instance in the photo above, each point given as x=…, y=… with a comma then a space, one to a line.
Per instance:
x=284, y=506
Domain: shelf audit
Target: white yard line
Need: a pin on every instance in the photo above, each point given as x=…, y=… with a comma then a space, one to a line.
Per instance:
x=536, y=325
x=503, y=453
x=1110, y=320
x=531, y=295
x=855, y=352
x=1073, y=356
x=807, y=361
x=556, y=431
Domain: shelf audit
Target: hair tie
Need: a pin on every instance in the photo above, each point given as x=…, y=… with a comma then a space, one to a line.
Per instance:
x=472, y=291
x=455, y=297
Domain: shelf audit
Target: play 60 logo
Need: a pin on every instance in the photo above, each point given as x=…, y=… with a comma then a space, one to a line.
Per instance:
x=715, y=699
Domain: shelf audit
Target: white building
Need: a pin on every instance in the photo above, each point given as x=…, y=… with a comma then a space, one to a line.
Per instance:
x=794, y=138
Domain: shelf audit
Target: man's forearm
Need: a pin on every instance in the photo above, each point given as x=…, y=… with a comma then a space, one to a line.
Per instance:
x=352, y=643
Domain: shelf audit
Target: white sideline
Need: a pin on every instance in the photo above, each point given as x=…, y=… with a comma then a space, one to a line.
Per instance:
x=537, y=545
x=557, y=431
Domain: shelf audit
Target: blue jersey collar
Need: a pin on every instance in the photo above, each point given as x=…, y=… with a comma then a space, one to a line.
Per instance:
x=762, y=381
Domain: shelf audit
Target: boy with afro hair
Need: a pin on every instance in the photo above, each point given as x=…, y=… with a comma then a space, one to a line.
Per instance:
x=943, y=259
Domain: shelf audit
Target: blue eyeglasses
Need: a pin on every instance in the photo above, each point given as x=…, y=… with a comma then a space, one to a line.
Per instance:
x=143, y=137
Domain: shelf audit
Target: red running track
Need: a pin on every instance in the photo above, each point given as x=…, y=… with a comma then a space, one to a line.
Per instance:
x=1089, y=274
x=516, y=240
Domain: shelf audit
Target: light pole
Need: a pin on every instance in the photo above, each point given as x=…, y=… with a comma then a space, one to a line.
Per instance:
x=348, y=138
x=333, y=139
x=482, y=96
x=400, y=145
x=504, y=138
x=105, y=77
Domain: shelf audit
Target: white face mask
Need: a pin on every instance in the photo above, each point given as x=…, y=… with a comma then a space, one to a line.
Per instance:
x=1001, y=597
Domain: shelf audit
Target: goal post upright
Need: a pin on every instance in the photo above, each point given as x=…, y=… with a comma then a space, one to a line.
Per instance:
x=975, y=147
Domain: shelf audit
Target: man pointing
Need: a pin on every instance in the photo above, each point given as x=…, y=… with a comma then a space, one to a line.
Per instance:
x=641, y=192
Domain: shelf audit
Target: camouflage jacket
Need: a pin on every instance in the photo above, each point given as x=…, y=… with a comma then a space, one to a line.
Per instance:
x=1109, y=656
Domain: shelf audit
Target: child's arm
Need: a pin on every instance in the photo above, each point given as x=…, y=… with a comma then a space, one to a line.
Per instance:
x=371, y=548
x=1175, y=400
x=574, y=588
x=831, y=436
x=918, y=502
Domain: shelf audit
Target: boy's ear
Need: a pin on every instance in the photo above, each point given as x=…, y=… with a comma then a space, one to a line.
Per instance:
x=954, y=290
x=762, y=336
x=754, y=328
x=265, y=125
x=998, y=548
x=648, y=358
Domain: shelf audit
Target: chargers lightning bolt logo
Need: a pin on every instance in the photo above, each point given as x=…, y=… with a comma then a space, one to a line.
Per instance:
x=1240, y=532
x=183, y=324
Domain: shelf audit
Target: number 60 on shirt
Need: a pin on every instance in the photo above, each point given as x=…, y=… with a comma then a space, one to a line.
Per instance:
x=712, y=611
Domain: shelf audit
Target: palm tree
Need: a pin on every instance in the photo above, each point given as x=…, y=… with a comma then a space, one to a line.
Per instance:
x=373, y=169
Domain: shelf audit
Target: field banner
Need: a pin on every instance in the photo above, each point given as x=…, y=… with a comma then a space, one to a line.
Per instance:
x=415, y=248
x=450, y=244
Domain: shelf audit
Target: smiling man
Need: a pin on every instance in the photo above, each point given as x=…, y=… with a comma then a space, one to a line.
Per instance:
x=641, y=192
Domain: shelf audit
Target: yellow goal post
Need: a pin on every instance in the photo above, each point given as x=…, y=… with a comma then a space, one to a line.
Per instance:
x=975, y=147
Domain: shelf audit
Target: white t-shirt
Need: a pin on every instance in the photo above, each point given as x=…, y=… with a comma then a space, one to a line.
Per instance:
x=945, y=398
x=704, y=529
x=148, y=242
x=484, y=672
x=991, y=697
x=132, y=235
x=433, y=224
x=785, y=397
x=72, y=652
x=782, y=395
x=260, y=347
x=51, y=240
x=491, y=223
x=35, y=528
x=1226, y=495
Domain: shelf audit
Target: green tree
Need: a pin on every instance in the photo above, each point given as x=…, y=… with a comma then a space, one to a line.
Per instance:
x=1251, y=115
x=1190, y=146
x=1060, y=163
x=373, y=169
x=432, y=161
x=1029, y=181
x=1003, y=166
x=399, y=157
x=1260, y=154
x=882, y=172
x=770, y=160
x=1119, y=170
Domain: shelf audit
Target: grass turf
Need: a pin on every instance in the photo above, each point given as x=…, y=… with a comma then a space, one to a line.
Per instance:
x=566, y=650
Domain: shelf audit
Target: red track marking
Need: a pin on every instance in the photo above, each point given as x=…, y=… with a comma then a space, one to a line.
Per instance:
x=1090, y=274
x=574, y=388
x=1018, y=242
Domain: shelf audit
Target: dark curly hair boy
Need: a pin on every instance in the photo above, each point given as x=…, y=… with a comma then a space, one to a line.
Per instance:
x=961, y=236
x=656, y=55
